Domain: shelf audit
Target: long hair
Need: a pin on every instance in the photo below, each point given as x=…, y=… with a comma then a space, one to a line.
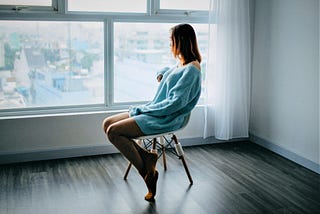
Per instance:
x=184, y=43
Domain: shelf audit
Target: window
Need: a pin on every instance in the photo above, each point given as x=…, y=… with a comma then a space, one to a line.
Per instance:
x=41, y=67
x=26, y=2
x=185, y=5
x=102, y=55
x=128, y=6
x=28, y=6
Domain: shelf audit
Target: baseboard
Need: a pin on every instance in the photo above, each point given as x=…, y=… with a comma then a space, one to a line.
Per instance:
x=68, y=152
x=286, y=153
x=209, y=140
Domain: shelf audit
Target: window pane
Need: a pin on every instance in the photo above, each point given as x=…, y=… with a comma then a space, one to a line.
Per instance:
x=140, y=50
x=26, y=2
x=40, y=66
x=185, y=5
x=131, y=6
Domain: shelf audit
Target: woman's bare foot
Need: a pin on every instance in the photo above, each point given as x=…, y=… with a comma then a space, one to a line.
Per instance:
x=151, y=182
x=149, y=172
x=151, y=178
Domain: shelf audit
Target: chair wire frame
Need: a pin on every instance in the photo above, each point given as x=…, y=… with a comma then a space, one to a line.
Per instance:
x=163, y=143
x=147, y=143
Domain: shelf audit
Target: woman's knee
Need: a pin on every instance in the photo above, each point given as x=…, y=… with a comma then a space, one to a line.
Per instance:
x=113, y=119
x=112, y=133
x=105, y=124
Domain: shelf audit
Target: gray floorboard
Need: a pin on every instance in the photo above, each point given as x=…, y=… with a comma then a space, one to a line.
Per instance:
x=239, y=177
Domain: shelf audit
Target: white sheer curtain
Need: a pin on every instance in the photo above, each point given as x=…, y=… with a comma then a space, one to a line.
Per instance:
x=227, y=95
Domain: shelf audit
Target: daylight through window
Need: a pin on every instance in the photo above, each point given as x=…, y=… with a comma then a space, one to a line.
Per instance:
x=41, y=67
x=74, y=55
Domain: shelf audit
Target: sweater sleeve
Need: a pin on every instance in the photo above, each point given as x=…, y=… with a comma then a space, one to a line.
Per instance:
x=186, y=88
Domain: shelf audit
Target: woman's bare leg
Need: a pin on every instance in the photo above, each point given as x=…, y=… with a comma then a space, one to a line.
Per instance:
x=121, y=129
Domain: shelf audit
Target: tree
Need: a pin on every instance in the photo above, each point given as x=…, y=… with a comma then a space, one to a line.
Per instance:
x=87, y=61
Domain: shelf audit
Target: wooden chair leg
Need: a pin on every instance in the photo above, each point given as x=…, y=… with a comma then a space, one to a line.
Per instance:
x=187, y=169
x=127, y=171
x=163, y=149
x=181, y=157
x=154, y=145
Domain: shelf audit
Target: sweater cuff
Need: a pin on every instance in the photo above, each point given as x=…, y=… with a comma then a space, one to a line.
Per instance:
x=162, y=71
x=133, y=111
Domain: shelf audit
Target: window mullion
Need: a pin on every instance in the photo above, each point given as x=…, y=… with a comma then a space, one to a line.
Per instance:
x=60, y=6
x=155, y=6
x=108, y=65
x=149, y=7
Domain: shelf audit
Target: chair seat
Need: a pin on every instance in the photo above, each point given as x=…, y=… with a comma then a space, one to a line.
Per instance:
x=165, y=133
x=156, y=135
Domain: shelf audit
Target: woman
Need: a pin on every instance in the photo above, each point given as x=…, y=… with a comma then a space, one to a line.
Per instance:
x=177, y=94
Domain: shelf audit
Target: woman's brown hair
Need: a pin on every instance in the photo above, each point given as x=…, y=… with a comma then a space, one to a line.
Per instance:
x=184, y=43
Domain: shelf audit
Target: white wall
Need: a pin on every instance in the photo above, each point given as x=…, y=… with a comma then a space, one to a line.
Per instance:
x=285, y=78
x=58, y=136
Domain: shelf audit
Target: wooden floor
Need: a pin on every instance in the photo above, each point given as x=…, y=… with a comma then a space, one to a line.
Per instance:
x=228, y=178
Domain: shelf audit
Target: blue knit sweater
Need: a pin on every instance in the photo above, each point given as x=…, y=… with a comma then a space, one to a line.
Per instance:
x=177, y=94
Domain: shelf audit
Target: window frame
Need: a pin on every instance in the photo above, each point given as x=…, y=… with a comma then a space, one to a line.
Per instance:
x=189, y=13
x=31, y=8
x=153, y=15
x=66, y=11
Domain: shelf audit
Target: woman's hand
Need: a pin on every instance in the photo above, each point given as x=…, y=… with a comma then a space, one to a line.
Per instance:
x=159, y=77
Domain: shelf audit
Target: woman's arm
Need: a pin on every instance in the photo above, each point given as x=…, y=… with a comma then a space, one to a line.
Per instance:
x=185, y=90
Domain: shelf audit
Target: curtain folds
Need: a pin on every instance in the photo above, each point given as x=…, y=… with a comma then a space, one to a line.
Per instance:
x=227, y=93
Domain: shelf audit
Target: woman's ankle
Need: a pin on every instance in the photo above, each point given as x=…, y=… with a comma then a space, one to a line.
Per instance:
x=150, y=161
x=143, y=172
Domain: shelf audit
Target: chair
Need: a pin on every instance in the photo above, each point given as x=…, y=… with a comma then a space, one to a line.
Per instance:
x=163, y=142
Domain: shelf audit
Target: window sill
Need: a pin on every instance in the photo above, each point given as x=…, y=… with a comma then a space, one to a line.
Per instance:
x=69, y=112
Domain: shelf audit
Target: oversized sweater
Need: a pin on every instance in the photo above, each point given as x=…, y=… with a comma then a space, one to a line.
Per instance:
x=177, y=94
